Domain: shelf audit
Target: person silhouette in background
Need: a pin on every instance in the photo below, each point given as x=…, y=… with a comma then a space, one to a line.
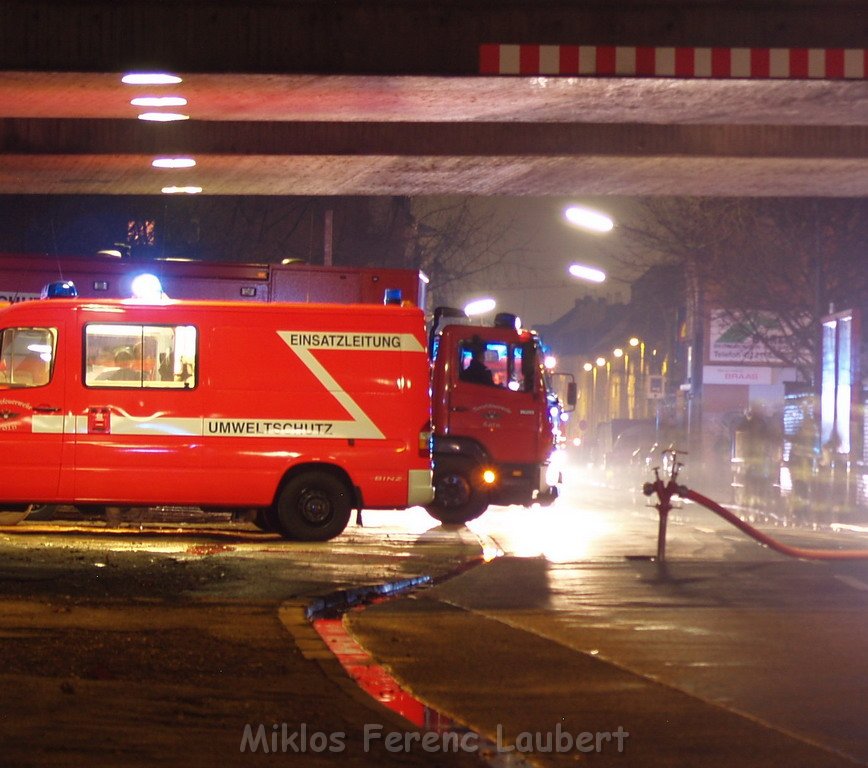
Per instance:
x=124, y=371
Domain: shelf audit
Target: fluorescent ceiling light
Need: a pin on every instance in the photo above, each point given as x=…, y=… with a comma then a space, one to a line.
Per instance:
x=150, y=78
x=173, y=162
x=162, y=117
x=159, y=101
x=181, y=190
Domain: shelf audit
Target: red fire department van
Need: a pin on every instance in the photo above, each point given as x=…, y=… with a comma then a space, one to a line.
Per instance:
x=492, y=444
x=302, y=411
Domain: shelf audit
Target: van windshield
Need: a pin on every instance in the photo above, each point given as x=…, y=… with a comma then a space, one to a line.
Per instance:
x=26, y=356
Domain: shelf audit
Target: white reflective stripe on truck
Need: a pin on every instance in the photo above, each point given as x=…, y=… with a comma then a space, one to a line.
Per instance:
x=420, y=490
x=203, y=427
x=47, y=424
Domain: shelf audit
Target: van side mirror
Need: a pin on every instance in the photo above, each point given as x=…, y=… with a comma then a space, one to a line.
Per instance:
x=572, y=394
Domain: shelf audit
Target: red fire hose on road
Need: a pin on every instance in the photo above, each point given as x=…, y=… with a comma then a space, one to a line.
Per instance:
x=666, y=490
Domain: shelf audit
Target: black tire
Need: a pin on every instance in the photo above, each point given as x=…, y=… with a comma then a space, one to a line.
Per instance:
x=266, y=520
x=457, y=498
x=314, y=506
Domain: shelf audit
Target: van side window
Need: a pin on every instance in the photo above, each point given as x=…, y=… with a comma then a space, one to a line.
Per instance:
x=27, y=356
x=140, y=356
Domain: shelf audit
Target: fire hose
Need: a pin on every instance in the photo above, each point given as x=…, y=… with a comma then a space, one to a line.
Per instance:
x=666, y=490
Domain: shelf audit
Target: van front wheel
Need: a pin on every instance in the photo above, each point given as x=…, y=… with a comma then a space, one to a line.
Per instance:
x=314, y=506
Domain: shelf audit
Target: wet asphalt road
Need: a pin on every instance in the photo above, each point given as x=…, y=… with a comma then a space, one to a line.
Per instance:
x=731, y=654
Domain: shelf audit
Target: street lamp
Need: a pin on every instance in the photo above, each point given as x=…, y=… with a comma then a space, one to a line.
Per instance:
x=591, y=274
x=479, y=307
x=588, y=219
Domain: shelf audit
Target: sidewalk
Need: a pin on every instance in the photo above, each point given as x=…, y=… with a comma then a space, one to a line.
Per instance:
x=731, y=655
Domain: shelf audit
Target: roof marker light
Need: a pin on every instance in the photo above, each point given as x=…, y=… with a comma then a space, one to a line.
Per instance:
x=162, y=117
x=150, y=78
x=159, y=101
x=173, y=162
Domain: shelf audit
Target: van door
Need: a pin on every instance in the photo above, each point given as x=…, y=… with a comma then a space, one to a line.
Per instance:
x=138, y=415
x=32, y=404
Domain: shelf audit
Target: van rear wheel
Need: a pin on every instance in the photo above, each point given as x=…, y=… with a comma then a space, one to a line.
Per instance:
x=314, y=506
x=457, y=499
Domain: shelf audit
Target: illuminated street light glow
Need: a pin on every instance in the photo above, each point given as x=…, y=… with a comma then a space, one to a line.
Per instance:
x=588, y=367
x=587, y=273
x=479, y=307
x=634, y=342
x=618, y=352
x=150, y=78
x=159, y=101
x=173, y=162
x=550, y=362
x=588, y=219
x=601, y=361
x=163, y=117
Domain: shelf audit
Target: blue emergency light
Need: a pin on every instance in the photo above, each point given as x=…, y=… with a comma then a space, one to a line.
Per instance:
x=393, y=296
x=60, y=289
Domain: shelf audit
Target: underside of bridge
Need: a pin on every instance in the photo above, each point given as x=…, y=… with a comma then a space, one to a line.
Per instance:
x=415, y=116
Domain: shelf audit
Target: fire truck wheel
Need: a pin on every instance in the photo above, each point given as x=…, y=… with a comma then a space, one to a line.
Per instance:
x=456, y=499
x=314, y=506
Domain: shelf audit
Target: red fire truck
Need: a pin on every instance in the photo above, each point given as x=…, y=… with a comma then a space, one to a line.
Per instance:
x=493, y=443
x=22, y=276
x=495, y=417
x=301, y=411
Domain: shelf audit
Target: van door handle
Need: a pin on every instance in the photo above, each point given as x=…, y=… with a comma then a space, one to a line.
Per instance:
x=459, y=409
x=45, y=409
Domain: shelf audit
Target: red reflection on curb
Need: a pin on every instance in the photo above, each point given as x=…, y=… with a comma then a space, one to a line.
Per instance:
x=374, y=680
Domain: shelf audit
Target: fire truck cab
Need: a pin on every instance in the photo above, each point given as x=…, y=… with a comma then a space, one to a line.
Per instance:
x=302, y=411
x=495, y=418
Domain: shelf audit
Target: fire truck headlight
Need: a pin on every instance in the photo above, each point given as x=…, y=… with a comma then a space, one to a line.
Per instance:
x=147, y=287
x=489, y=476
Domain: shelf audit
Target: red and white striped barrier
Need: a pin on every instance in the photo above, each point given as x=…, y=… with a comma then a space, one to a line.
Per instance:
x=683, y=62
